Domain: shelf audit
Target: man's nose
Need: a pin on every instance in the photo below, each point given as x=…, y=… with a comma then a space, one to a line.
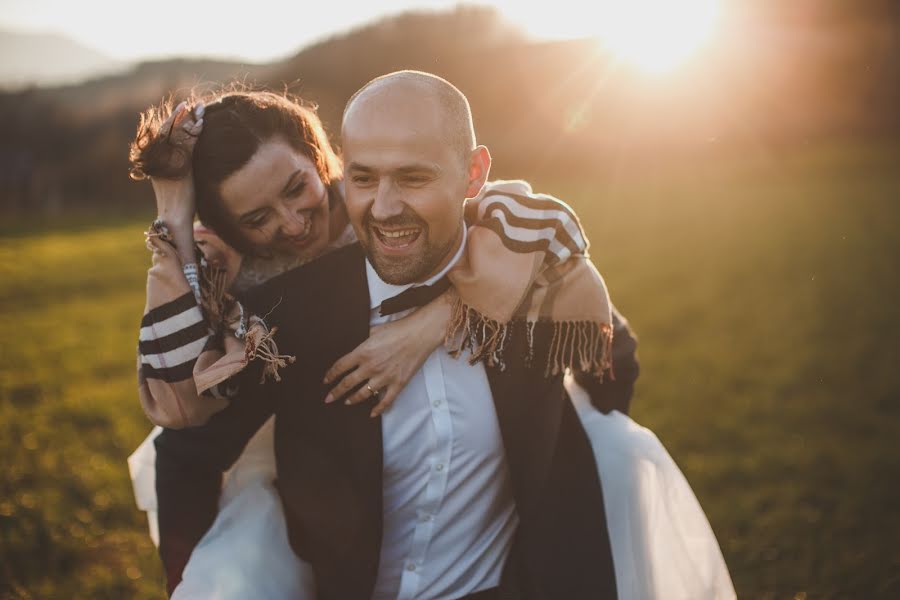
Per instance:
x=387, y=202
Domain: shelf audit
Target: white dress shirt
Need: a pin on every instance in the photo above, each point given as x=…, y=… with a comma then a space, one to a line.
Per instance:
x=449, y=515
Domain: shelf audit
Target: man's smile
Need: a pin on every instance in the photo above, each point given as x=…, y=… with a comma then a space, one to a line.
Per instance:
x=394, y=241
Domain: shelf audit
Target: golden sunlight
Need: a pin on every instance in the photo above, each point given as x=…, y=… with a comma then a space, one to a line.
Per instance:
x=656, y=35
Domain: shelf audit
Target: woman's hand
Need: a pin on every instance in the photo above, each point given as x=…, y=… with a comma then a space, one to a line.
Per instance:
x=217, y=253
x=175, y=197
x=391, y=356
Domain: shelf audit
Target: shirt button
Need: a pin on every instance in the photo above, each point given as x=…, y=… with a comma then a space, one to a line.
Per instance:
x=410, y=567
x=426, y=518
x=436, y=403
x=439, y=467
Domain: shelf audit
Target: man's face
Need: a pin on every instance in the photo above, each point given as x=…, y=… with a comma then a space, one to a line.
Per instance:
x=405, y=186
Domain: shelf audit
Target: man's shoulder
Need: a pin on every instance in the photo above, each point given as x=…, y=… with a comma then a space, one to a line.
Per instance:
x=309, y=281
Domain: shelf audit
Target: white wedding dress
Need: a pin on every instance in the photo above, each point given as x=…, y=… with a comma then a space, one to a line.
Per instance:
x=663, y=546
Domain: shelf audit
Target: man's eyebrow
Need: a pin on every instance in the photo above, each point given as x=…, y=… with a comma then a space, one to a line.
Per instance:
x=402, y=170
x=418, y=168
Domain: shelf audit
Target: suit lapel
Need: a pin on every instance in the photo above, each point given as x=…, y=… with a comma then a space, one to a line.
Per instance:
x=334, y=437
x=364, y=435
x=529, y=410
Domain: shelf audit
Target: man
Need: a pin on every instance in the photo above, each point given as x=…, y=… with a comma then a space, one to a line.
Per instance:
x=479, y=482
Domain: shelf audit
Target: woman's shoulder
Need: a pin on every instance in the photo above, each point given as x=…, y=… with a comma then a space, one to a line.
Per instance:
x=293, y=282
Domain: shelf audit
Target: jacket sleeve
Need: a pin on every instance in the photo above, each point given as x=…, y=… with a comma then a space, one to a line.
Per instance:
x=174, y=333
x=193, y=342
x=614, y=390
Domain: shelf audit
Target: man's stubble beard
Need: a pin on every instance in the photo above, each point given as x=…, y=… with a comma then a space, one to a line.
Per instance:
x=402, y=271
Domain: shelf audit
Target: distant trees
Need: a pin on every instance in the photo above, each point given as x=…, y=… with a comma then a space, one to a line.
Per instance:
x=780, y=76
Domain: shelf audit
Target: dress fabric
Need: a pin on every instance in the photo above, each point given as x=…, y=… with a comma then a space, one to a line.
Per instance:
x=662, y=543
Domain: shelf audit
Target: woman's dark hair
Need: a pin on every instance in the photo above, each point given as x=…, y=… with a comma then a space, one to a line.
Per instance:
x=235, y=124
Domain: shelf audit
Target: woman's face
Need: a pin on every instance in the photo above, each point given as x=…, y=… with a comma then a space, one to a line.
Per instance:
x=278, y=201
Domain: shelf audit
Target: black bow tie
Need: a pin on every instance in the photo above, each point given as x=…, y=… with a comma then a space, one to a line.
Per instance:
x=414, y=297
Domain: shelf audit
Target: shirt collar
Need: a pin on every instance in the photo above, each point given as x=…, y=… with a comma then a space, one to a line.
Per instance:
x=379, y=290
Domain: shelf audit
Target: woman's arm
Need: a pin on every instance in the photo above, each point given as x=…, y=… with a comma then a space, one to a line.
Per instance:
x=166, y=161
x=174, y=333
x=190, y=350
x=174, y=330
x=391, y=356
x=193, y=337
x=509, y=274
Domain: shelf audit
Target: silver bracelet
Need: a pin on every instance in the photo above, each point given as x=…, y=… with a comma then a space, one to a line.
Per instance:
x=192, y=274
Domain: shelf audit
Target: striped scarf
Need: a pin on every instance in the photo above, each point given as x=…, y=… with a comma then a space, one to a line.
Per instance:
x=526, y=265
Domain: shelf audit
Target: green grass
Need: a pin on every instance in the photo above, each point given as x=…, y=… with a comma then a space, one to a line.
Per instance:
x=764, y=291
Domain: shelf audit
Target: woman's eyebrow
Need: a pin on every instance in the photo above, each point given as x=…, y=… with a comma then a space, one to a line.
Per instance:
x=290, y=182
x=253, y=213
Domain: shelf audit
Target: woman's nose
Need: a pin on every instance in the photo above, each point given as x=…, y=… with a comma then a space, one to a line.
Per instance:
x=293, y=223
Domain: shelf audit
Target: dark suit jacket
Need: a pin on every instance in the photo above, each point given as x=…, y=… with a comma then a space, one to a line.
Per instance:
x=329, y=457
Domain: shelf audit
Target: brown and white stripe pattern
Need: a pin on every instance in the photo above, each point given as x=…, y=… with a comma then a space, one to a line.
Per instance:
x=172, y=337
x=527, y=265
x=522, y=251
x=527, y=222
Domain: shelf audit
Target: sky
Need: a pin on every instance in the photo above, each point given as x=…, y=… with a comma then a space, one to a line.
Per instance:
x=256, y=31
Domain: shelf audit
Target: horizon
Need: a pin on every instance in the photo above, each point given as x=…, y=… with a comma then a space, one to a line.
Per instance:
x=115, y=38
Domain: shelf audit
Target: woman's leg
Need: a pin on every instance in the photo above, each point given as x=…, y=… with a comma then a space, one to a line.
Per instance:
x=246, y=553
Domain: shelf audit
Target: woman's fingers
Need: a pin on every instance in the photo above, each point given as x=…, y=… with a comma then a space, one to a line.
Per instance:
x=343, y=366
x=154, y=244
x=185, y=127
x=193, y=123
x=385, y=399
x=193, y=128
x=347, y=384
x=368, y=390
x=166, y=128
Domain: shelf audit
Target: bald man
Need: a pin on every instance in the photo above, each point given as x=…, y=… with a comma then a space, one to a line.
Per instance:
x=478, y=483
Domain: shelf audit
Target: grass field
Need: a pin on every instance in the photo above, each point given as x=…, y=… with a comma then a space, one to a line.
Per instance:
x=765, y=294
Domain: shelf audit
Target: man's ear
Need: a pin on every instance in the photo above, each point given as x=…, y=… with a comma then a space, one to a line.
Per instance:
x=478, y=169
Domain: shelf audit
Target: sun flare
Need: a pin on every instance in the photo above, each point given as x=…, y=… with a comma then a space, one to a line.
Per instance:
x=656, y=35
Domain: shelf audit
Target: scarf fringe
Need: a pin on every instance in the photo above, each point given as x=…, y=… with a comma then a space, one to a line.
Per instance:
x=258, y=339
x=580, y=345
x=214, y=299
x=266, y=350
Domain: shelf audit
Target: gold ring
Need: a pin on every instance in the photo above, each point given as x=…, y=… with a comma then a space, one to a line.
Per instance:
x=372, y=393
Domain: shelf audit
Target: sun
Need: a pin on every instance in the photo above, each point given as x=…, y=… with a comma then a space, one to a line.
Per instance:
x=656, y=35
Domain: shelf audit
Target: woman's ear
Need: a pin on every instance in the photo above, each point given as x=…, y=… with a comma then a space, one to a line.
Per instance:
x=478, y=169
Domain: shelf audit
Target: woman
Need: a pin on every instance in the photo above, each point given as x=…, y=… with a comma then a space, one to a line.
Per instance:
x=302, y=223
